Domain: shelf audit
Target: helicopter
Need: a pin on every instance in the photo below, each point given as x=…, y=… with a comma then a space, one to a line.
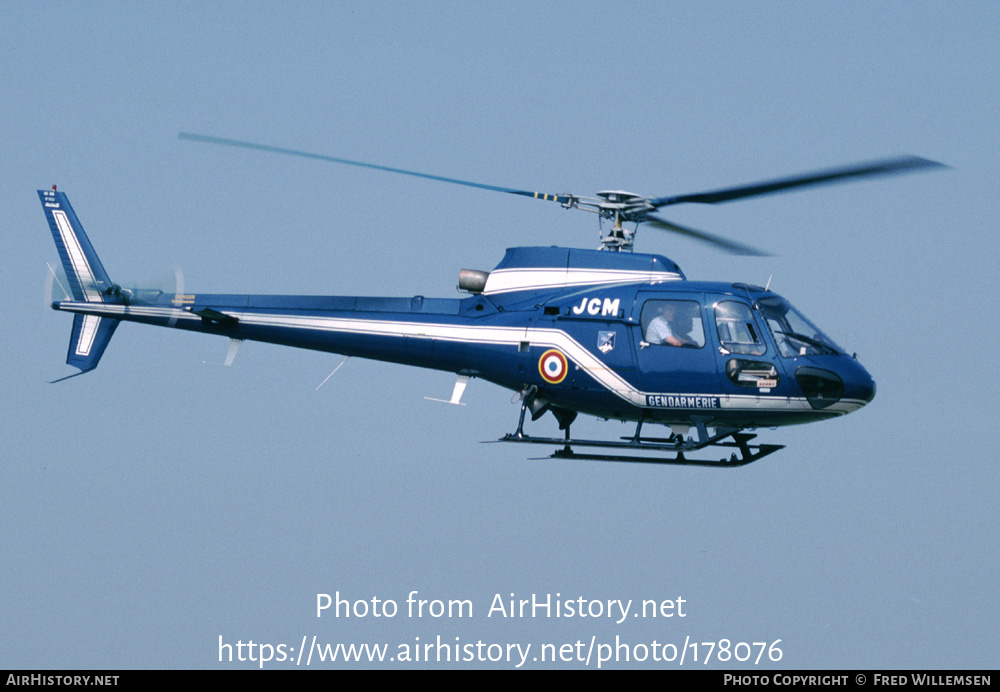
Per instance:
x=605, y=332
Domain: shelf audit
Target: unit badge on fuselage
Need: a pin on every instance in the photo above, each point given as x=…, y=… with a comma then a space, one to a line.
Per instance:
x=605, y=341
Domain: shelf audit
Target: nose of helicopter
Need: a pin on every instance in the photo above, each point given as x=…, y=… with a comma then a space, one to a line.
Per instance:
x=843, y=382
x=858, y=383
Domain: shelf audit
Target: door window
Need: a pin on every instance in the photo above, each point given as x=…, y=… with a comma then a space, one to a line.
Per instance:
x=737, y=331
x=673, y=323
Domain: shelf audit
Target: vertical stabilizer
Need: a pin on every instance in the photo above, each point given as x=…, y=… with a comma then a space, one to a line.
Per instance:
x=88, y=282
x=90, y=337
x=87, y=279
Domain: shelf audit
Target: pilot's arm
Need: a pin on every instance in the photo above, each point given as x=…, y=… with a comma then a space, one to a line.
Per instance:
x=659, y=332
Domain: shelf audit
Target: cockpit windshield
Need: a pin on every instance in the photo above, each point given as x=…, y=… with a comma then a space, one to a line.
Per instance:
x=793, y=333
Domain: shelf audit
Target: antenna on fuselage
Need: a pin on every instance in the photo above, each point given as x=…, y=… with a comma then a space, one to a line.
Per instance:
x=331, y=374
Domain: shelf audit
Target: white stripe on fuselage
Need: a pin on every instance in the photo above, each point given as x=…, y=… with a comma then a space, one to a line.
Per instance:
x=535, y=279
x=478, y=334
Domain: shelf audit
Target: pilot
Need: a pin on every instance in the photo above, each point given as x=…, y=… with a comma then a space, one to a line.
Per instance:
x=667, y=327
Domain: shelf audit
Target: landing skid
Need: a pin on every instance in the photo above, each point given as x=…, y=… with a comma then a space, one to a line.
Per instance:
x=649, y=449
x=747, y=453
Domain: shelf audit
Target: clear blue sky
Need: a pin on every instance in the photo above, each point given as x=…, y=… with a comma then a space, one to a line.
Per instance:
x=159, y=503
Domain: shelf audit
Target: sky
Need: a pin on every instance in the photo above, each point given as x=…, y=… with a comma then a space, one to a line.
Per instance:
x=160, y=509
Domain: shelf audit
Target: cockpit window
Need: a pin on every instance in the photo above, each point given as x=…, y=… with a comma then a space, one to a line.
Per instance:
x=738, y=333
x=793, y=333
x=673, y=323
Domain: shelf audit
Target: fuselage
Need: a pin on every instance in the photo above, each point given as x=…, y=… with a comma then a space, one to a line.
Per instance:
x=572, y=325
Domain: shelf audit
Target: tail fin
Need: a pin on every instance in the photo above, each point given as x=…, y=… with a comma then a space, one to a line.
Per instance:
x=87, y=279
x=87, y=341
x=88, y=282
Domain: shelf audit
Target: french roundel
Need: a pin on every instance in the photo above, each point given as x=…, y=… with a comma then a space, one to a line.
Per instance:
x=553, y=366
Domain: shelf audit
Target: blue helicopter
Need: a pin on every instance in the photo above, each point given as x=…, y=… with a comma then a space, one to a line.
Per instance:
x=606, y=332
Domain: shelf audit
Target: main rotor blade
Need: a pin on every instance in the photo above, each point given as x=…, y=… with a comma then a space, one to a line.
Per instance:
x=730, y=246
x=562, y=199
x=896, y=166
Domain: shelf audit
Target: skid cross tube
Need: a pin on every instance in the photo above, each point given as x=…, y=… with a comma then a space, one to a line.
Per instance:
x=740, y=441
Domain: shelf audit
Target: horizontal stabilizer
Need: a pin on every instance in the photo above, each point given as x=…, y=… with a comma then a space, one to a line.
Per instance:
x=216, y=316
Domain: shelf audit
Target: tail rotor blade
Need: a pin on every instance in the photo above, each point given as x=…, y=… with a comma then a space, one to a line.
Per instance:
x=47, y=291
x=51, y=279
x=178, y=293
